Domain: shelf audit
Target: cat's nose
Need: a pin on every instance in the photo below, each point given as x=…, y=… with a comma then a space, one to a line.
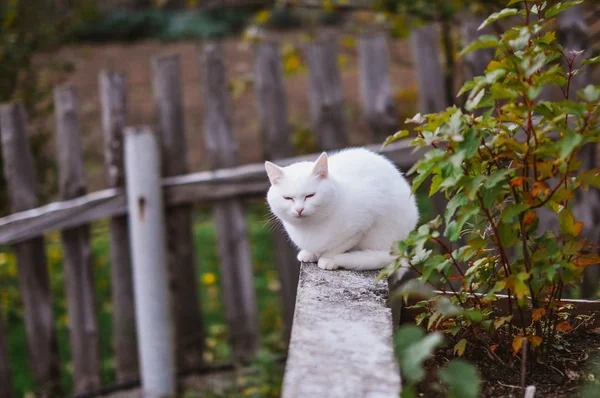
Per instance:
x=299, y=211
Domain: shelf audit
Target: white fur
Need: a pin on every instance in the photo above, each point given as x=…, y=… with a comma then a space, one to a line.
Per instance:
x=362, y=205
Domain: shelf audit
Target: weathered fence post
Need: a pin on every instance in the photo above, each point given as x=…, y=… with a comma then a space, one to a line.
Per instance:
x=113, y=98
x=189, y=327
x=573, y=34
x=31, y=255
x=78, y=267
x=326, y=98
x=272, y=109
x=5, y=378
x=376, y=86
x=342, y=341
x=475, y=62
x=425, y=47
x=234, y=248
x=149, y=253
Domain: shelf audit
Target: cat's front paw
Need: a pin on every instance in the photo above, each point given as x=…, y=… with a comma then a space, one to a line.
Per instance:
x=307, y=257
x=327, y=263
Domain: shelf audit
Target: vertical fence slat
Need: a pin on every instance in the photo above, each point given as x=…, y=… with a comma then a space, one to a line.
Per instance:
x=113, y=96
x=326, y=98
x=573, y=34
x=189, y=327
x=272, y=109
x=425, y=47
x=5, y=378
x=376, y=86
x=476, y=61
x=31, y=255
x=78, y=267
x=149, y=254
x=232, y=231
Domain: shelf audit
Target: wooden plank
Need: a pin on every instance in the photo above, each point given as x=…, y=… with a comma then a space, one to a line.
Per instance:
x=78, y=266
x=226, y=183
x=5, y=377
x=189, y=326
x=31, y=255
x=375, y=84
x=272, y=109
x=153, y=307
x=342, y=337
x=425, y=47
x=573, y=34
x=476, y=61
x=326, y=98
x=113, y=99
x=232, y=231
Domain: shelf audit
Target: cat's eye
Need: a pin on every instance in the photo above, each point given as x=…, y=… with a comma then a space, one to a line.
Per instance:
x=288, y=198
x=309, y=196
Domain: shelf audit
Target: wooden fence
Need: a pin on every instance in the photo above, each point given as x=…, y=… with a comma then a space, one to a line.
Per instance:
x=226, y=187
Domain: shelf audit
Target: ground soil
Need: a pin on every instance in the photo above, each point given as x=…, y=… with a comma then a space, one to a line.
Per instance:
x=574, y=362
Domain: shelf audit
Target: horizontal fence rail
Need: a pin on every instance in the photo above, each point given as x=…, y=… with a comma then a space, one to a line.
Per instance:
x=202, y=186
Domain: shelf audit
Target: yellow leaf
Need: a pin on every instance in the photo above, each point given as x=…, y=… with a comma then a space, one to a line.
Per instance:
x=535, y=340
x=517, y=344
x=460, y=347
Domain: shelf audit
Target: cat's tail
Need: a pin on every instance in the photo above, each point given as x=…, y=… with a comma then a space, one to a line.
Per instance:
x=364, y=260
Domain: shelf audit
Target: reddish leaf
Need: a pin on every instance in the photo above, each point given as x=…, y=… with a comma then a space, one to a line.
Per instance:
x=587, y=259
x=529, y=217
x=538, y=313
x=493, y=347
x=517, y=181
x=564, y=327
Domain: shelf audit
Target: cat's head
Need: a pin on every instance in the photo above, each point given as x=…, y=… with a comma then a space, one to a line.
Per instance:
x=302, y=191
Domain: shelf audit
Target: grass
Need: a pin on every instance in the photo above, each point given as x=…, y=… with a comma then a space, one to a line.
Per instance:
x=217, y=348
x=264, y=382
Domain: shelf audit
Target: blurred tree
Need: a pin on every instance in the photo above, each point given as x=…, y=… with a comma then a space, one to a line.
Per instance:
x=29, y=28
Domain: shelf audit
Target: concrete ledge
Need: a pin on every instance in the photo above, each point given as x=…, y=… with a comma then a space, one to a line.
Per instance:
x=341, y=343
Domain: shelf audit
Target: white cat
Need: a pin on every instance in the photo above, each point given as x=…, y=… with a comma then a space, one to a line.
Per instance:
x=344, y=211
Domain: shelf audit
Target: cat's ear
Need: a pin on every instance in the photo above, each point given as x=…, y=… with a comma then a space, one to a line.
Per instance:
x=321, y=169
x=274, y=172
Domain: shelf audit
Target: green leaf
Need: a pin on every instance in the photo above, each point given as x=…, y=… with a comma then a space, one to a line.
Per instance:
x=569, y=143
x=512, y=211
x=452, y=231
x=567, y=223
x=412, y=349
x=435, y=184
x=497, y=177
x=560, y=7
x=462, y=379
x=483, y=41
x=399, y=135
x=588, y=61
x=590, y=177
x=470, y=143
x=508, y=234
x=473, y=102
x=460, y=199
x=507, y=12
x=590, y=93
x=413, y=288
